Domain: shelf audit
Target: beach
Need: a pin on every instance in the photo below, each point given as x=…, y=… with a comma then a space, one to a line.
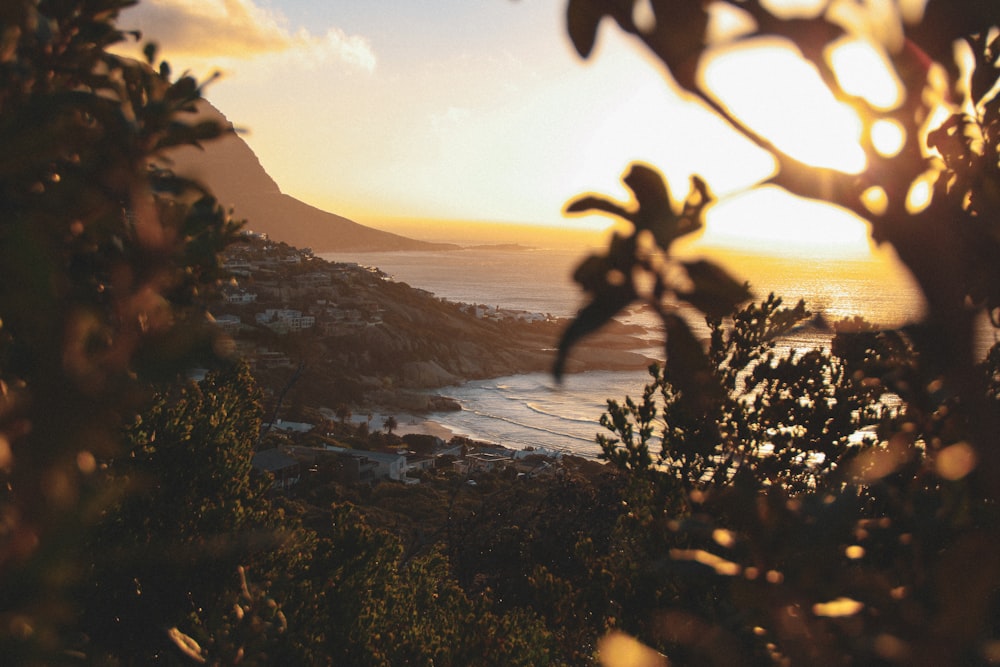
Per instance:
x=529, y=409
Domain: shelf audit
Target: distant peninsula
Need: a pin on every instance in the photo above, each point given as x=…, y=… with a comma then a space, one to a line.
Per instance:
x=502, y=247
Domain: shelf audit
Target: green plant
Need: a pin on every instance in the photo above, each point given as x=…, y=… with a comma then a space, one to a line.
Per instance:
x=786, y=419
x=881, y=560
x=104, y=262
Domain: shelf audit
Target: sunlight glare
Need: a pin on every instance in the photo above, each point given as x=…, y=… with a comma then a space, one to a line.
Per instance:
x=773, y=90
x=643, y=16
x=912, y=11
x=795, y=9
x=865, y=72
x=770, y=219
x=888, y=137
x=727, y=23
x=875, y=200
x=921, y=192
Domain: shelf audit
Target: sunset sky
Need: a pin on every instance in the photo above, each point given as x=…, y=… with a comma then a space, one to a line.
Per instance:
x=384, y=111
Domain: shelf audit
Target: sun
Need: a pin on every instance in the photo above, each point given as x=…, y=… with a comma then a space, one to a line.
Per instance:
x=774, y=91
x=770, y=88
x=769, y=221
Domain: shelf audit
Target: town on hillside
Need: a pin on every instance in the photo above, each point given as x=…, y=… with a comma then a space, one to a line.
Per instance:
x=330, y=341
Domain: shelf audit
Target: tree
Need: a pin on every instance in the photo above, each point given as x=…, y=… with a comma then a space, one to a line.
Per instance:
x=390, y=424
x=343, y=414
x=890, y=567
x=788, y=419
x=372, y=606
x=194, y=514
x=949, y=246
x=104, y=260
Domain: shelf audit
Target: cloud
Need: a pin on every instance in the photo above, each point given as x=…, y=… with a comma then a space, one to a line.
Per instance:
x=240, y=30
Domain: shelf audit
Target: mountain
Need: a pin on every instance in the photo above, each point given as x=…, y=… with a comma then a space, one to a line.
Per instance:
x=231, y=170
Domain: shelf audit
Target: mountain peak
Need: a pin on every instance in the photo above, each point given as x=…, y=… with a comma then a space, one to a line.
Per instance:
x=234, y=174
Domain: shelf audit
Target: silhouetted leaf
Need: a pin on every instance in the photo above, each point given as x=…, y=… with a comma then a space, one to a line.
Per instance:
x=687, y=366
x=715, y=292
x=648, y=186
x=694, y=206
x=591, y=203
x=582, y=20
x=607, y=303
x=592, y=273
x=984, y=76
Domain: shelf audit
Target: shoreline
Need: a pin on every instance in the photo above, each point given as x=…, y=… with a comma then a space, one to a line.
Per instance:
x=523, y=411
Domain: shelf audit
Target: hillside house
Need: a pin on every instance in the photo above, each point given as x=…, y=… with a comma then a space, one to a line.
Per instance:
x=265, y=359
x=481, y=462
x=285, y=320
x=283, y=469
x=313, y=280
x=292, y=427
x=388, y=465
x=344, y=468
x=239, y=297
x=419, y=462
x=229, y=323
x=237, y=267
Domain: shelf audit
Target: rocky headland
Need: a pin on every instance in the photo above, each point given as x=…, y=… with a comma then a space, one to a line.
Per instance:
x=321, y=334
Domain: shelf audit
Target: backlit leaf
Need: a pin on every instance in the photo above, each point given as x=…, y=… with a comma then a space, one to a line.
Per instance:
x=607, y=303
x=687, y=366
x=715, y=292
x=582, y=20
x=591, y=203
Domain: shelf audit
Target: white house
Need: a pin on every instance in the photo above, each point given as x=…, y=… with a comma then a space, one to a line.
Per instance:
x=240, y=297
x=388, y=465
x=228, y=323
x=283, y=469
x=285, y=320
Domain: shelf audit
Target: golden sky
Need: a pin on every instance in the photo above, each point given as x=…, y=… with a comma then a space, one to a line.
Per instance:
x=479, y=110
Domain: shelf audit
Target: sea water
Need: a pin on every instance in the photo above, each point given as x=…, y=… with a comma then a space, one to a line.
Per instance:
x=532, y=410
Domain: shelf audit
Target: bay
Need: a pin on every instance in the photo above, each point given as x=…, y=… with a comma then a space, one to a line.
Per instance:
x=532, y=410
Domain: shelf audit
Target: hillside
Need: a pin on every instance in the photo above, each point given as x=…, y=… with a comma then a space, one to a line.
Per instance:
x=235, y=175
x=362, y=338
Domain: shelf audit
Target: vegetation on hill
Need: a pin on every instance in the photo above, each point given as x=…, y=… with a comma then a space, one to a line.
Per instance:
x=372, y=341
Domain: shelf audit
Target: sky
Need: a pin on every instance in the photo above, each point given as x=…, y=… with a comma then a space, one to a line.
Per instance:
x=389, y=111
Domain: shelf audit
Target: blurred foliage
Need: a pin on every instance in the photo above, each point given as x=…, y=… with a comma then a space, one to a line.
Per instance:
x=871, y=553
x=104, y=263
x=741, y=523
x=636, y=268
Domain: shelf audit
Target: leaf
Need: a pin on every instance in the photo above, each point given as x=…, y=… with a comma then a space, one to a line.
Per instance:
x=591, y=203
x=648, y=186
x=656, y=212
x=984, y=74
x=582, y=21
x=687, y=366
x=186, y=644
x=592, y=274
x=715, y=292
x=608, y=302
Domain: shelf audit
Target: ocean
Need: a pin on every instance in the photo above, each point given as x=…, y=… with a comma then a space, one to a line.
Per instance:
x=532, y=410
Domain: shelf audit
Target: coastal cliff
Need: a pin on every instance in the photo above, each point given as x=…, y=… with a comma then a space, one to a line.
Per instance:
x=330, y=334
x=234, y=174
